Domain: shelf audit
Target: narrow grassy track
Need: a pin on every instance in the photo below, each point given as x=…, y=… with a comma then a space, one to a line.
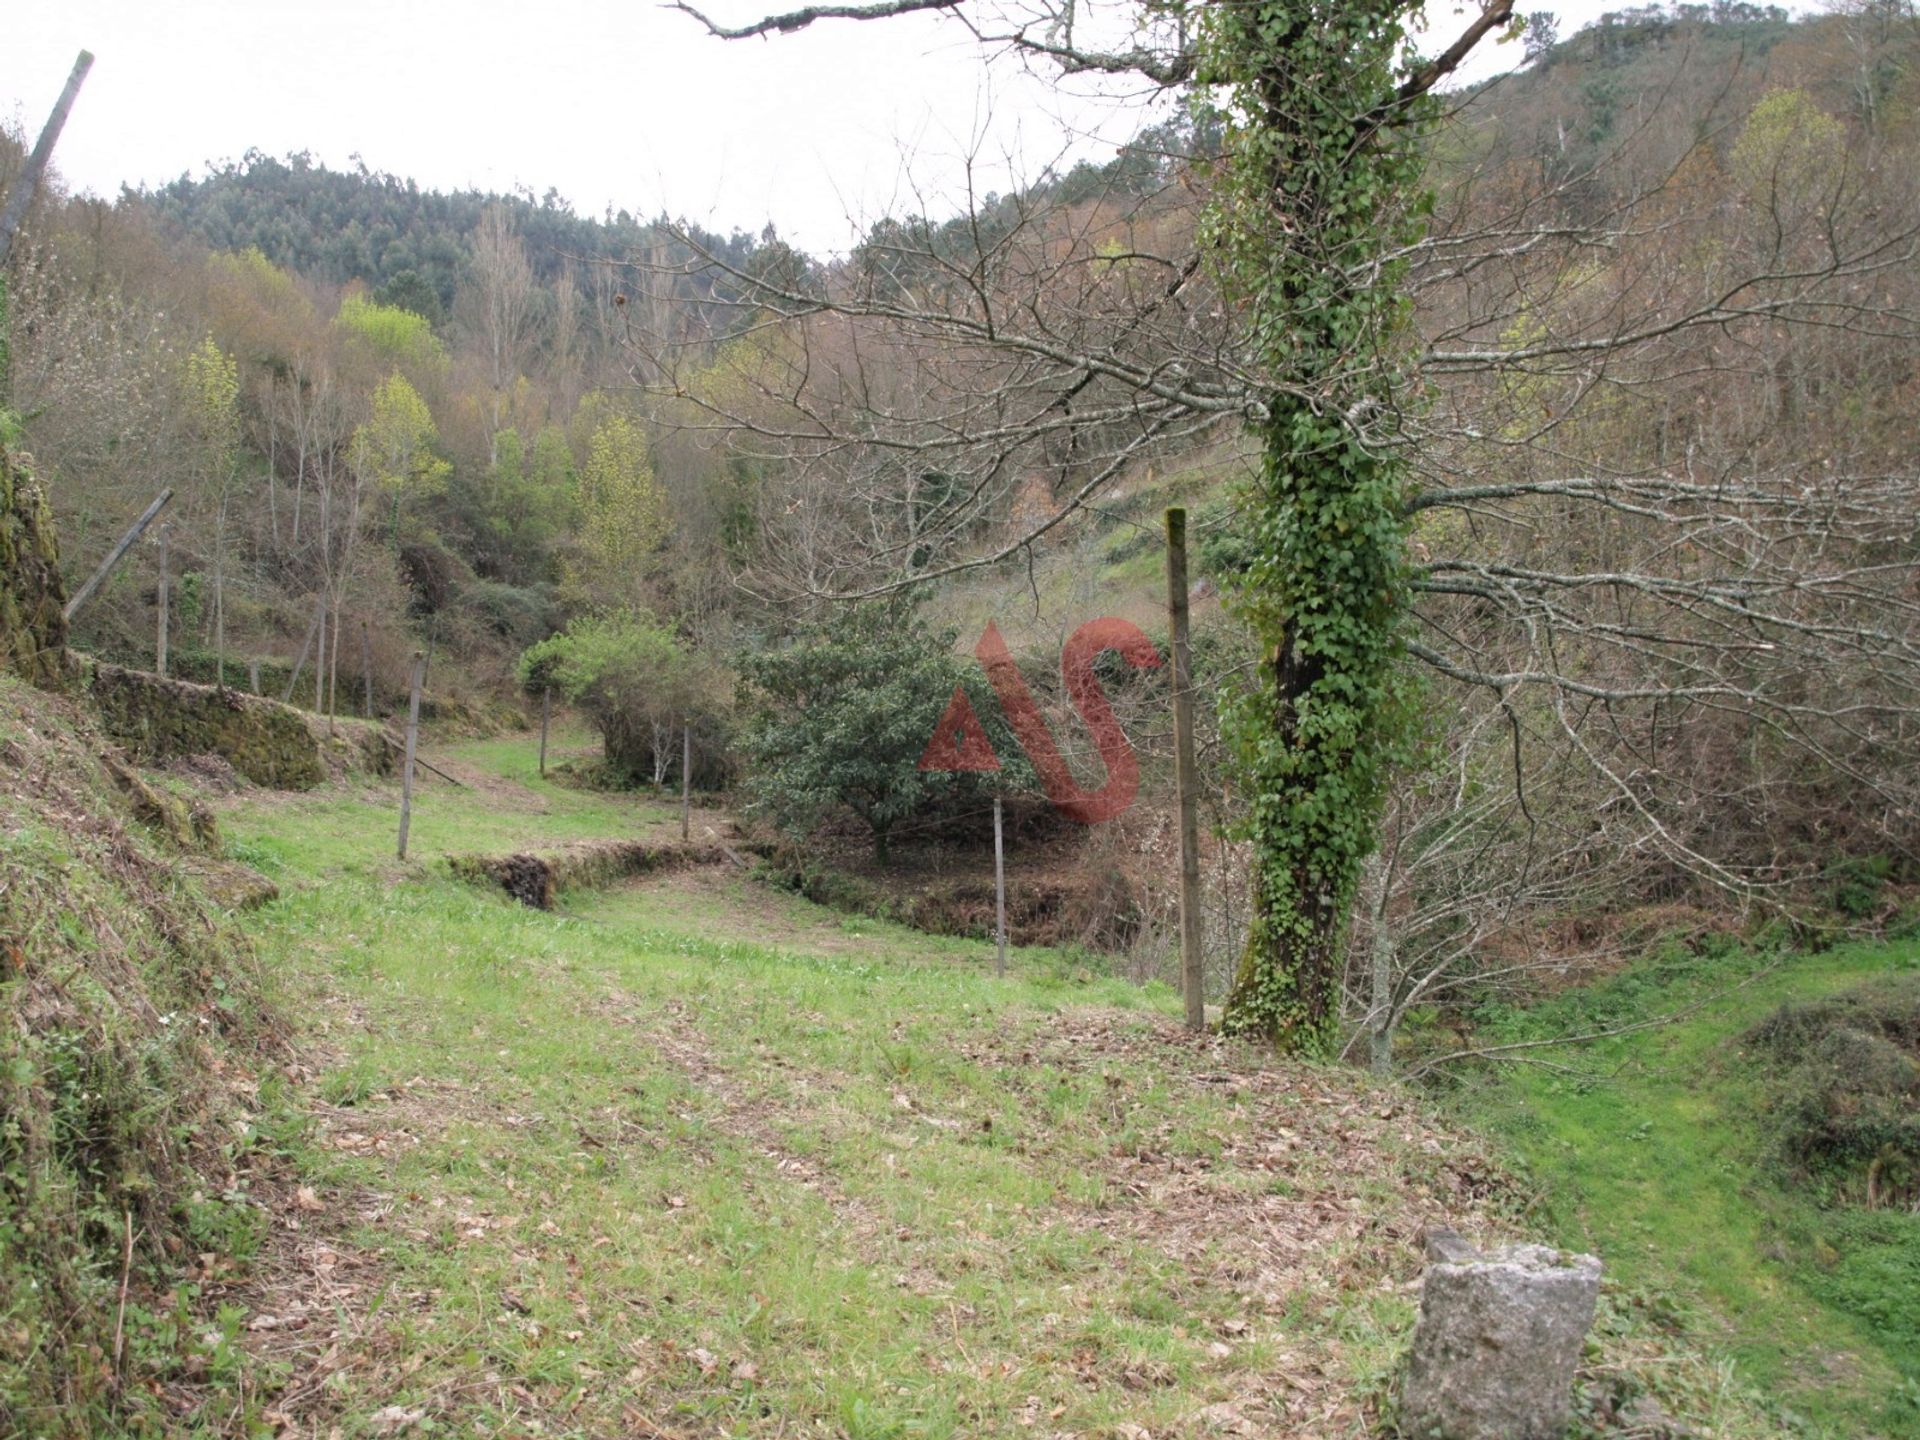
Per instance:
x=693, y=1159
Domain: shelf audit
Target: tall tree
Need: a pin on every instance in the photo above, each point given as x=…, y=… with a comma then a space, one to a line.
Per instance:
x=212, y=382
x=1590, y=363
x=499, y=310
x=1318, y=196
x=394, y=451
x=623, y=513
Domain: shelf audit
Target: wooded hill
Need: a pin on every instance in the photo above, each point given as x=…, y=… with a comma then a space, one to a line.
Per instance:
x=464, y=421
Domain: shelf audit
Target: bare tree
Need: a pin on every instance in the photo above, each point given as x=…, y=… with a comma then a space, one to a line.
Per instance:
x=500, y=311
x=1627, y=523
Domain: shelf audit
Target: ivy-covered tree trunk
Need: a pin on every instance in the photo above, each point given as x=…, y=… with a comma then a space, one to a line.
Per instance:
x=1318, y=186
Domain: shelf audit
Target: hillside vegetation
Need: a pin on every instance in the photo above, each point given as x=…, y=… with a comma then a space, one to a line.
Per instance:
x=1548, y=449
x=689, y=1158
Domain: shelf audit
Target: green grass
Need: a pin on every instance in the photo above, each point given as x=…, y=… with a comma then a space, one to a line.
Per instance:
x=651, y=1176
x=323, y=832
x=695, y=1158
x=1649, y=1148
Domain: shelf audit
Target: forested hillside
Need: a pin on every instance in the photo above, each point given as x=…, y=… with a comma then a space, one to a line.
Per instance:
x=1546, y=451
x=457, y=421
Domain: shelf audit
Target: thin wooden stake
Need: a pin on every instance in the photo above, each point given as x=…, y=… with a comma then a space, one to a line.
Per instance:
x=126, y=1274
x=546, y=713
x=999, y=894
x=160, y=600
x=253, y=674
x=134, y=532
x=320, y=662
x=686, y=780
x=413, y=741
x=333, y=673
x=306, y=645
x=1186, y=782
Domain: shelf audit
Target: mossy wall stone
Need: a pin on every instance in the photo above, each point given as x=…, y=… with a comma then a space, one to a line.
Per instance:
x=33, y=598
x=158, y=718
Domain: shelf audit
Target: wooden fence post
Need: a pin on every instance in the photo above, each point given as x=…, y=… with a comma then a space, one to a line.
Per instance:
x=27, y=182
x=546, y=713
x=320, y=662
x=160, y=599
x=686, y=780
x=413, y=739
x=999, y=894
x=253, y=674
x=1185, y=782
x=85, y=592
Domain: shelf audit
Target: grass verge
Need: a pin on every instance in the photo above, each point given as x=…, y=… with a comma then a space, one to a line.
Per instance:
x=1653, y=1148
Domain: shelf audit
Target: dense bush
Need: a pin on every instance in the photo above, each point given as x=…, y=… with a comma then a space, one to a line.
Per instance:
x=524, y=615
x=1846, y=1112
x=841, y=715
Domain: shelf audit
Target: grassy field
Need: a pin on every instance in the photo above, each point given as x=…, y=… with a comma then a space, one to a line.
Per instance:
x=1652, y=1148
x=691, y=1158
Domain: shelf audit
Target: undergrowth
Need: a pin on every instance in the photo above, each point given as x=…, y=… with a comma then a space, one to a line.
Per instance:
x=1715, y=1150
x=134, y=1017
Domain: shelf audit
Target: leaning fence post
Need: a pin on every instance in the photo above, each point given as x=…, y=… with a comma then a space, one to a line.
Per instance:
x=27, y=182
x=686, y=780
x=306, y=645
x=85, y=593
x=413, y=737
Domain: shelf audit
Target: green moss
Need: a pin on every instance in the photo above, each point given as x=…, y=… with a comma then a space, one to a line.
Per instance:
x=159, y=718
x=187, y=822
x=1662, y=1149
x=537, y=880
x=33, y=625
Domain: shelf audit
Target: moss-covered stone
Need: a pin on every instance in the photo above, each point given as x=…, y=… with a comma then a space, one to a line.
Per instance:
x=33, y=598
x=232, y=886
x=158, y=718
x=188, y=823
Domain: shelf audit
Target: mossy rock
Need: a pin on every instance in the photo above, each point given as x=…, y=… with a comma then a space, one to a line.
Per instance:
x=188, y=823
x=33, y=598
x=159, y=718
x=232, y=886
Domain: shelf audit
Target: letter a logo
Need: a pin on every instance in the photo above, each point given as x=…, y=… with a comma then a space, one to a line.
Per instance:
x=959, y=741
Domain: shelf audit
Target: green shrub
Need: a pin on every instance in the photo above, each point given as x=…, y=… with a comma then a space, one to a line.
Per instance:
x=1844, y=1111
x=841, y=714
x=638, y=684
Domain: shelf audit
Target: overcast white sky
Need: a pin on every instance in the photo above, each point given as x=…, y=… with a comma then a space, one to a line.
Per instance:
x=611, y=102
